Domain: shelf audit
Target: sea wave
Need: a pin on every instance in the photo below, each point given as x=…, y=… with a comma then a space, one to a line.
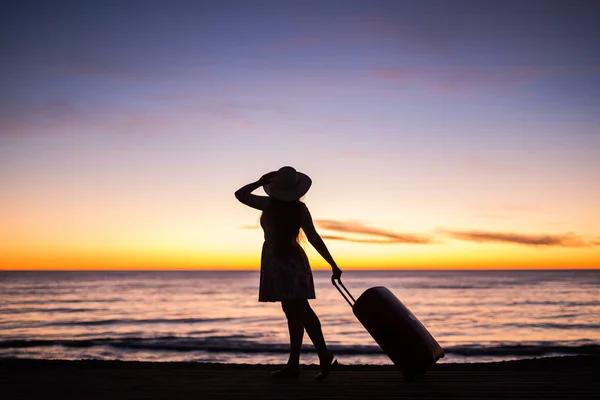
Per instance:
x=245, y=344
x=133, y=321
x=550, y=325
x=28, y=310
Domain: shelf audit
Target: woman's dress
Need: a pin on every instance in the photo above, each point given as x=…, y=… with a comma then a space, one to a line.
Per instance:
x=282, y=276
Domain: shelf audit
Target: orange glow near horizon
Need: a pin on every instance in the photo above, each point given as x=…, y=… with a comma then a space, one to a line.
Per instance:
x=173, y=260
x=46, y=235
x=112, y=224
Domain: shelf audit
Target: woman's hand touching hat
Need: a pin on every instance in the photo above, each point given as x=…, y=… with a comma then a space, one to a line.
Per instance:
x=268, y=177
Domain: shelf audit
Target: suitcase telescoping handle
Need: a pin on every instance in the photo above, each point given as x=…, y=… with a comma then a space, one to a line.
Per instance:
x=342, y=292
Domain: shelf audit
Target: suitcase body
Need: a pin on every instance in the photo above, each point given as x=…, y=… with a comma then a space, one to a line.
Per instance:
x=396, y=330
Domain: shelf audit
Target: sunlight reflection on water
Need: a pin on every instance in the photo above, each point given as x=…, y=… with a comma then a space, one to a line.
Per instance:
x=487, y=308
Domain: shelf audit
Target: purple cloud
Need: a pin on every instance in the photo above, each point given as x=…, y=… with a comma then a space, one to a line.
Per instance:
x=342, y=230
x=380, y=235
x=536, y=240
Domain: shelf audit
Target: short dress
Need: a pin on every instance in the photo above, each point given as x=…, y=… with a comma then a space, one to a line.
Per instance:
x=283, y=277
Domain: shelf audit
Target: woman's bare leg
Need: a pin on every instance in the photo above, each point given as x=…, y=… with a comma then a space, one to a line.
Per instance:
x=313, y=328
x=302, y=317
x=296, y=330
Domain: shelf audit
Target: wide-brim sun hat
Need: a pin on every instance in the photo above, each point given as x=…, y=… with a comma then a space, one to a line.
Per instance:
x=288, y=184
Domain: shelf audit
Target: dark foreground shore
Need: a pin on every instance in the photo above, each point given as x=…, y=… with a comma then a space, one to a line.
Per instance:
x=544, y=378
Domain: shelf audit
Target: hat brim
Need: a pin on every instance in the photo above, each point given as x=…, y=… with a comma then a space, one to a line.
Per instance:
x=293, y=193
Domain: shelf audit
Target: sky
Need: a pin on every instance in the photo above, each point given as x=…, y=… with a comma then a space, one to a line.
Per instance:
x=438, y=134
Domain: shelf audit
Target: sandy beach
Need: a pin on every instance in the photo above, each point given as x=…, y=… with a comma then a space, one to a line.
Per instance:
x=548, y=378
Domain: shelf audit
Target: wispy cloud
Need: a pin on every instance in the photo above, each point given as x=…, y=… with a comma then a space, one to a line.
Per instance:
x=61, y=115
x=235, y=109
x=357, y=232
x=21, y=117
x=536, y=240
x=84, y=64
x=377, y=235
x=356, y=240
x=449, y=80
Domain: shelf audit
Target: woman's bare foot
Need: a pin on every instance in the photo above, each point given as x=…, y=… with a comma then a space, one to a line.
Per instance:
x=289, y=371
x=327, y=363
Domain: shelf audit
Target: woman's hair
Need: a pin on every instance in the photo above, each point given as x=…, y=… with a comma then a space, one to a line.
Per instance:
x=285, y=218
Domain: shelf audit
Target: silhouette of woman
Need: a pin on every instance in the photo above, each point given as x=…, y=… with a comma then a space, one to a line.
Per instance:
x=285, y=273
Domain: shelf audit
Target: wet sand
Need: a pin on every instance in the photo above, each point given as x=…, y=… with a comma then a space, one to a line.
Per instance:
x=546, y=378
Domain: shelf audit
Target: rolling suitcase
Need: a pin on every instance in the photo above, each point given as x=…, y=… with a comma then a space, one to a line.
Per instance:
x=395, y=329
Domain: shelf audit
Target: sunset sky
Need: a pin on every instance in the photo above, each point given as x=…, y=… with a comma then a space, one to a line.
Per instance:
x=438, y=134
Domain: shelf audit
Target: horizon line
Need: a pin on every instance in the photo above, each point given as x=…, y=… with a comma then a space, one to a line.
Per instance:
x=314, y=270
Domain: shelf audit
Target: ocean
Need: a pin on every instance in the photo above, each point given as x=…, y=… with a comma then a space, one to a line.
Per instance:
x=214, y=316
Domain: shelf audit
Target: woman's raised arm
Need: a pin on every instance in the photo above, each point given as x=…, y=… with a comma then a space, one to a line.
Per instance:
x=244, y=194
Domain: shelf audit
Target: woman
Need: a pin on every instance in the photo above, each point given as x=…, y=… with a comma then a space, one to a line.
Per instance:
x=285, y=273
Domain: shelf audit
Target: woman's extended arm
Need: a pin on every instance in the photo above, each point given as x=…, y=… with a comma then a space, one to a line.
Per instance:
x=244, y=194
x=313, y=237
